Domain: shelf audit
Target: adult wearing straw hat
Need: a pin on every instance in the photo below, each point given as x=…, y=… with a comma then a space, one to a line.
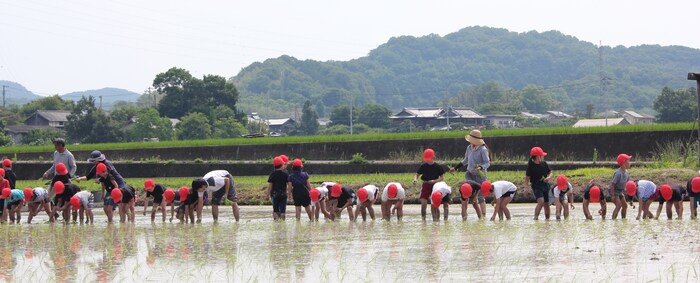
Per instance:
x=477, y=161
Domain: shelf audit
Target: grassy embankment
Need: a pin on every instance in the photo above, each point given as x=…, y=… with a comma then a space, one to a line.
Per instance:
x=250, y=188
x=358, y=137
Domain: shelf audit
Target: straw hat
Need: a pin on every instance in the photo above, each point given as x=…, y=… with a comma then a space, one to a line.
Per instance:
x=475, y=137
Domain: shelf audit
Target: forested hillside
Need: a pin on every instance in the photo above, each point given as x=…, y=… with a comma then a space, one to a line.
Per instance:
x=431, y=70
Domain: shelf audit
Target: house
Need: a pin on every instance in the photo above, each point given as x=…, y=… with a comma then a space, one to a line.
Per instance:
x=435, y=117
x=17, y=132
x=601, y=122
x=324, y=122
x=609, y=113
x=556, y=116
x=282, y=125
x=501, y=121
x=635, y=118
x=533, y=115
x=48, y=118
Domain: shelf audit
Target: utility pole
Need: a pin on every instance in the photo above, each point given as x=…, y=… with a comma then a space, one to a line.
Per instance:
x=449, y=110
x=351, y=103
x=100, y=102
x=3, y=95
x=696, y=77
x=602, y=82
x=155, y=104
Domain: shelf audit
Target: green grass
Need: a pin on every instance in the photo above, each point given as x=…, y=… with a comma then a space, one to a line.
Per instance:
x=360, y=137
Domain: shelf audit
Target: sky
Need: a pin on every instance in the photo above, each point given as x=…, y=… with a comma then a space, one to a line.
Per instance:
x=57, y=47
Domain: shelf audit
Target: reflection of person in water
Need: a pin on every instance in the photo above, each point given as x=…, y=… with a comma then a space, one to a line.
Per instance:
x=7, y=263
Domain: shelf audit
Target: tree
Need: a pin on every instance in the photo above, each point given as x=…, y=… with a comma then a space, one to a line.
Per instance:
x=53, y=102
x=537, y=100
x=87, y=124
x=222, y=112
x=123, y=114
x=186, y=94
x=309, y=120
x=340, y=115
x=375, y=116
x=320, y=109
x=257, y=126
x=4, y=139
x=226, y=128
x=194, y=126
x=41, y=136
x=149, y=124
x=678, y=105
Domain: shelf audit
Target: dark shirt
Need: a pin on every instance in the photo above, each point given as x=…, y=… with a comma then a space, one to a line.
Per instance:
x=192, y=198
x=107, y=181
x=112, y=171
x=298, y=180
x=346, y=194
x=127, y=194
x=11, y=177
x=430, y=172
x=68, y=192
x=676, y=196
x=278, y=178
x=157, y=192
x=63, y=178
x=537, y=172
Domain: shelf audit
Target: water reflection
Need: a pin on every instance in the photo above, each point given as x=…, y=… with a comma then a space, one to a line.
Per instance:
x=262, y=250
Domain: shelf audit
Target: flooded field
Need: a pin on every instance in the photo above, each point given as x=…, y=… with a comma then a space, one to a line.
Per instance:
x=258, y=249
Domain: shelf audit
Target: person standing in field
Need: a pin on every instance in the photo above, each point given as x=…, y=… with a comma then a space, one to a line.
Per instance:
x=617, y=186
x=63, y=155
x=477, y=159
x=37, y=199
x=4, y=184
x=156, y=192
x=673, y=197
x=646, y=193
x=440, y=195
x=298, y=186
x=430, y=172
x=97, y=158
x=393, y=195
x=693, y=190
x=593, y=193
x=504, y=192
x=341, y=198
x=562, y=196
x=9, y=174
x=538, y=175
x=277, y=189
x=366, y=196
x=220, y=184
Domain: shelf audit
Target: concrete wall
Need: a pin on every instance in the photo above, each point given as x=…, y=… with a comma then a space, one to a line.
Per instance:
x=563, y=147
x=34, y=170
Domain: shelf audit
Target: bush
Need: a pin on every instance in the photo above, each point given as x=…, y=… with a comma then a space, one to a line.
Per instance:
x=358, y=158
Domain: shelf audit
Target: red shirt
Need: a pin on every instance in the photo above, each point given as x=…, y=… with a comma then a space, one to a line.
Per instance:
x=5, y=184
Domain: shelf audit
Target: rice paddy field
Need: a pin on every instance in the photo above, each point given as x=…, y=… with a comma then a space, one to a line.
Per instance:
x=258, y=249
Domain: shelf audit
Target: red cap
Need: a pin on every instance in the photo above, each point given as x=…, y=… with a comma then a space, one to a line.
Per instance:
x=61, y=169
x=7, y=163
x=277, y=161
x=184, y=191
x=169, y=195
x=285, y=159
x=537, y=151
x=466, y=190
x=362, y=194
x=101, y=167
x=428, y=155
x=149, y=184
x=59, y=186
x=336, y=190
x=622, y=158
x=314, y=194
x=28, y=194
x=392, y=191
x=485, y=188
x=695, y=185
x=297, y=162
x=562, y=182
x=437, y=198
x=117, y=195
x=75, y=202
x=594, y=194
x=2, y=172
x=6, y=192
x=666, y=191
x=631, y=188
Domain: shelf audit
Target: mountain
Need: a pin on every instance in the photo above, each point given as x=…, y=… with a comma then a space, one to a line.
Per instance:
x=412, y=71
x=16, y=93
x=109, y=96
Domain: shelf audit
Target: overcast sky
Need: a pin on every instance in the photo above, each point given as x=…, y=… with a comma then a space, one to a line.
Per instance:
x=56, y=47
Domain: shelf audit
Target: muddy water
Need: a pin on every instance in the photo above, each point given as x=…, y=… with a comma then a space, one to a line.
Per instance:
x=259, y=250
